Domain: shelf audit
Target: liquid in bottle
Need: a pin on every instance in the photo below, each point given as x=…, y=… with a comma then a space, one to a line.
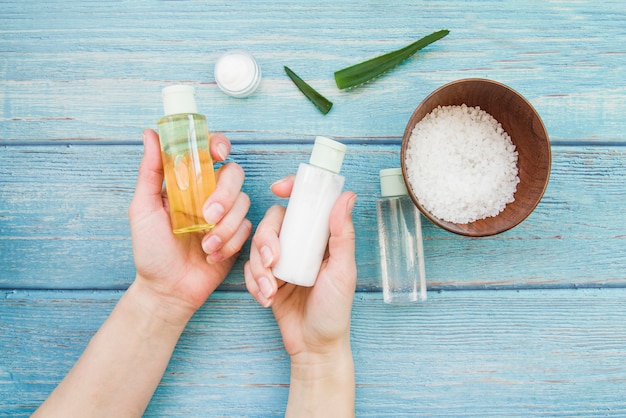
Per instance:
x=187, y=162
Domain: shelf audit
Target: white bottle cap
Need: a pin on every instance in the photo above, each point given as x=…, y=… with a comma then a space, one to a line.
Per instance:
x=179, y=99
x=237, y=73
x=392, y=182
x=327, y=154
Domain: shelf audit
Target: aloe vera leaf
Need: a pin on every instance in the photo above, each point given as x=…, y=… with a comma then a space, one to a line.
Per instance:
x=365, y=71
x=321, y=102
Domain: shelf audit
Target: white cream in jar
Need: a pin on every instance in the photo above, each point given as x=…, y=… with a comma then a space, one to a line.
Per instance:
x=237, y=73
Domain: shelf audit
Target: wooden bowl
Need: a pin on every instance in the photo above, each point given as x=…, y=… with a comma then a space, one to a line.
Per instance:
x=521, y=121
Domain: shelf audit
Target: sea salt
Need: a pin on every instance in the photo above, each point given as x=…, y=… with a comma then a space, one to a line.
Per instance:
x=461, y=164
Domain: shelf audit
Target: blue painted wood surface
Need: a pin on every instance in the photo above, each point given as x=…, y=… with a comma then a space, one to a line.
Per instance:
x=529, y=322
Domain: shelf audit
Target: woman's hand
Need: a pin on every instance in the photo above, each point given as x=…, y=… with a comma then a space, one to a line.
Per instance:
x=314, y=321
x=125, y=360
x=183, y=270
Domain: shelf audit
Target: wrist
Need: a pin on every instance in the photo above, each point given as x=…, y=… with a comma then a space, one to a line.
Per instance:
x=324, y=358
x=316, y=369
x=162, y=310
x=322, y=383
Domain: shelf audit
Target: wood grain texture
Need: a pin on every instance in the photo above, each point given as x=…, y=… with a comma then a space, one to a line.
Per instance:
x=94, y=70
x=61, y=203
x=462, y=353
x=505, y=331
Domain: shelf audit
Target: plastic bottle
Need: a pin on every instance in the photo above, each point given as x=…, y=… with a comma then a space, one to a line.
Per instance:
x=187, y=162
x=304, y=233
x=400, y=241
x=237, y=73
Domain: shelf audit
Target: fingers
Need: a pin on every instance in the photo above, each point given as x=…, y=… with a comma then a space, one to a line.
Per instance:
x=282, y=188
x=147, y=195
x=265, y=248
x=265, y=241
x=341, y=245
x=261, y=288
x=226, y=208
x=340, y=223
x=229, y=180
x=230, y=234
x=220, y=146
x=264, y=252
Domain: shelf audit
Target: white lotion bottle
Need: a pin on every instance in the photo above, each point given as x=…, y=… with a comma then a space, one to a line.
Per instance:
x=305, y=230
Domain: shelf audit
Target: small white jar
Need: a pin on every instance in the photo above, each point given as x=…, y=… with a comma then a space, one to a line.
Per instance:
x=237, y=73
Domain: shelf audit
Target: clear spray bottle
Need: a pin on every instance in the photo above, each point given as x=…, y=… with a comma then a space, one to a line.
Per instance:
x=400, y=241
x=304, y=233
x=187, y=162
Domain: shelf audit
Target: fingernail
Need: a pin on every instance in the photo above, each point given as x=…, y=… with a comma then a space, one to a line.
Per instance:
x=265, y=287
x=351, y=203
x=266, y=256
x=214, y=213
x=212, y=244
x=214, y=258
x=261, y=299
x=222, y=151
x=277, y=182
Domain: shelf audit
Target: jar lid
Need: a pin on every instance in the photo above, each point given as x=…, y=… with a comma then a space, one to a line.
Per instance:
x=392, y=182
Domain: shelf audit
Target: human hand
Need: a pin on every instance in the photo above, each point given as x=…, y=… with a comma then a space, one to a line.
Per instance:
x=311, y=319
x=314, y=321
x=125, y=360
x=181, y=271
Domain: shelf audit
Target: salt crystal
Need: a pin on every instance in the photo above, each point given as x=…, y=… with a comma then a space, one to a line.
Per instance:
x=461, y=164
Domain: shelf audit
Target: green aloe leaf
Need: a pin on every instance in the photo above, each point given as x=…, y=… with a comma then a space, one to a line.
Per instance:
x=321, y=102
x=363, y=72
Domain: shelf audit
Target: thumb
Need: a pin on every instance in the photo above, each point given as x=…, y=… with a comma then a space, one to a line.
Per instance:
x=150, y=178
x=341, y=245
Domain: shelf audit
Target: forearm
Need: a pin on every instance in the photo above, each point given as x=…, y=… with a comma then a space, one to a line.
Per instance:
x=123, y=363
x=322, y=385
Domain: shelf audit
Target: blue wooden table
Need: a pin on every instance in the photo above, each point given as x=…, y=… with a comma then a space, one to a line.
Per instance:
x=528, y=322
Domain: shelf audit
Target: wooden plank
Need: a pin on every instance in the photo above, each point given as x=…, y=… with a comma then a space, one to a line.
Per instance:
x=75, y=70
x=67, y=205
x=73, y=73
x=462, y=353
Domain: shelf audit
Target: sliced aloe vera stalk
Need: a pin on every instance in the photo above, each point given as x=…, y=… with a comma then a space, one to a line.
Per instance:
x=321, y=102
x=363, y=72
